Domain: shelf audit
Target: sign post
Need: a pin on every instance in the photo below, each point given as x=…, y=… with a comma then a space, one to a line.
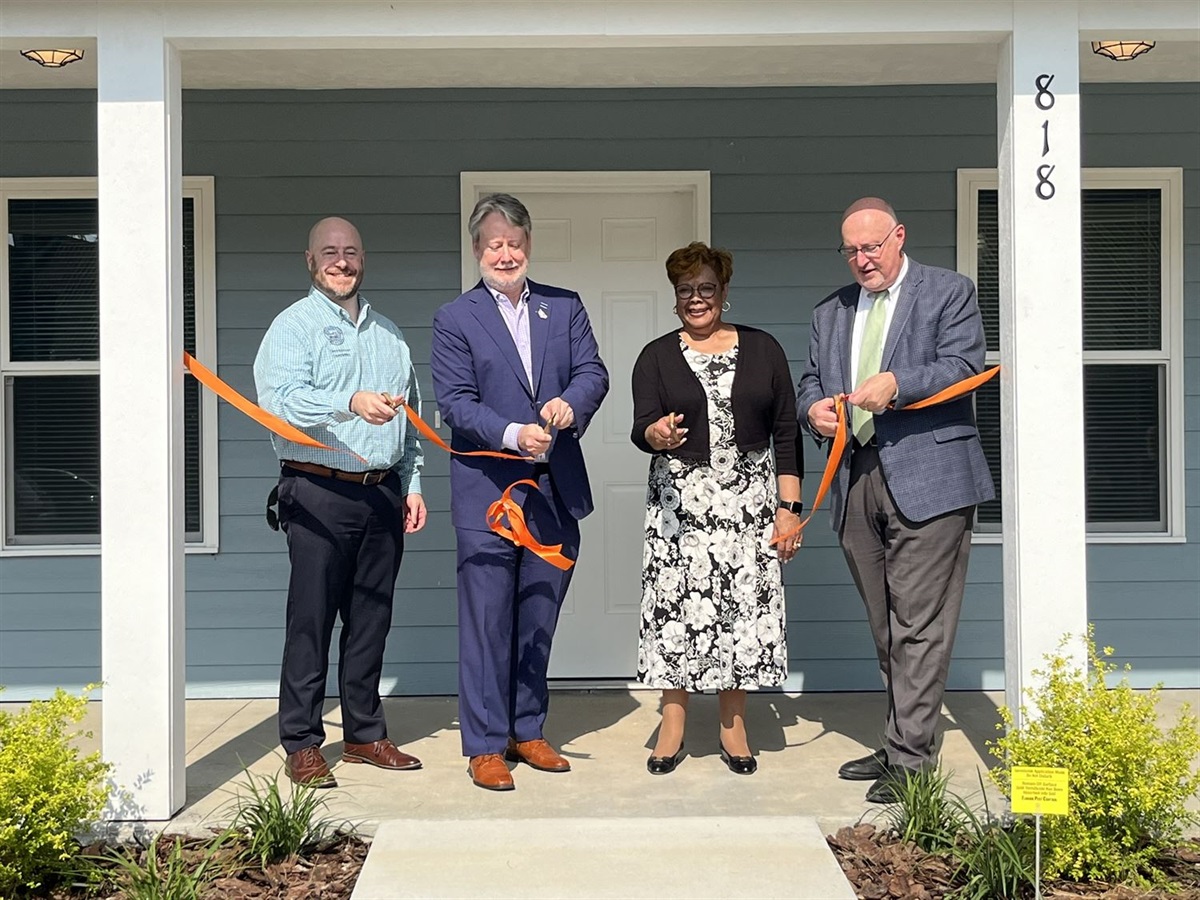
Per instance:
x=1039, y=790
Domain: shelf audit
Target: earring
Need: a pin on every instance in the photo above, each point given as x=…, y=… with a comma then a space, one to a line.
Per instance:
x=725, y=306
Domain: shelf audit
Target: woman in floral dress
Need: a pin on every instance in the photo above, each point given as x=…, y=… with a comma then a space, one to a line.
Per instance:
x=714, y=404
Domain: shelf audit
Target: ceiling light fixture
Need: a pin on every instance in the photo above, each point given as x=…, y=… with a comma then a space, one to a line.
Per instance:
x=53, y=59
x=1121, y=50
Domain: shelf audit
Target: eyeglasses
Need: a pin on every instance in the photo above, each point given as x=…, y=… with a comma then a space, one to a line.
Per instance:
x=870, y=251
x=706, y=291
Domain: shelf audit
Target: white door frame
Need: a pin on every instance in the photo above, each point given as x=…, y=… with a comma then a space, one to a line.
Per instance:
x=475, y=184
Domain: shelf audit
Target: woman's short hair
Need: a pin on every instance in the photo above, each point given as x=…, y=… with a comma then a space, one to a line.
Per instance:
x=687, y=261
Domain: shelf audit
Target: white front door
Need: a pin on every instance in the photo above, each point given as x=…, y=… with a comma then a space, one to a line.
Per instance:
x=610, y=247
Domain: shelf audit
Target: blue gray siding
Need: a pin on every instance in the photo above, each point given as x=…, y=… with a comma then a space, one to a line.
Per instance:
x=784, y=163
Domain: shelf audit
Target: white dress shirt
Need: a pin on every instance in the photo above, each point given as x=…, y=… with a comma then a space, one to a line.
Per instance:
x=860, y=317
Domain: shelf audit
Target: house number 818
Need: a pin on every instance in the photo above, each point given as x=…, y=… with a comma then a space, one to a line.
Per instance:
x=1044, y=100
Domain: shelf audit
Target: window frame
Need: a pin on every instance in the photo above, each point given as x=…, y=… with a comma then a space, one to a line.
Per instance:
x=201, y=190
x=1168, y=180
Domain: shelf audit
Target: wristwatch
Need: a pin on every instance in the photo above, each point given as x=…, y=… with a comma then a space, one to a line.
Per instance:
x=793, y=506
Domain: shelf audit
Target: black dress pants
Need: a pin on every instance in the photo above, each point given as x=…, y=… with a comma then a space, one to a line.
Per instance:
x=345, y=542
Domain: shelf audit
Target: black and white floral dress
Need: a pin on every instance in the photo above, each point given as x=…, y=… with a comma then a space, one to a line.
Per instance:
x=712, y=593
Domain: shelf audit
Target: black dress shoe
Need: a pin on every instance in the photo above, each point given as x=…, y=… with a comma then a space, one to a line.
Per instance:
x=866, y=769
x=664, y=765
x=739, y=765
x=887, y=787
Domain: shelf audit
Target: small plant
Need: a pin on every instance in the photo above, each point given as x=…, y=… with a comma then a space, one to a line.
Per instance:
x=176, y=874
x=49, y=792
x=275, y=827
x=1129, y=780
x=924, y=813
x=995, y=859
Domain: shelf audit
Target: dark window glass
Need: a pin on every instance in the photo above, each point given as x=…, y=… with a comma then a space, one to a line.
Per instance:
x=53, y=280
x=56, y=455
x=1124, y=404
x=53, y=419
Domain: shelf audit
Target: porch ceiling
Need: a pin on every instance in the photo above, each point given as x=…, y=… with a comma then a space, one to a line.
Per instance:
x=720, y=66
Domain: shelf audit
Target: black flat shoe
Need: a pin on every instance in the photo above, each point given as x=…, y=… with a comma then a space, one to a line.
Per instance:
x=739, y=765
x=664, y=765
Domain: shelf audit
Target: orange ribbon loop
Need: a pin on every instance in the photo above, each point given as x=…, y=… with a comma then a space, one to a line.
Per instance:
x=518, y=532
x=841, y=438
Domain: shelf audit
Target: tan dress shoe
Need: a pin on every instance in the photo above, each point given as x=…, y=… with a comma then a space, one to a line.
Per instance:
x=308, y=767
x=382, y=753
x=538, y=754
x=490, y=772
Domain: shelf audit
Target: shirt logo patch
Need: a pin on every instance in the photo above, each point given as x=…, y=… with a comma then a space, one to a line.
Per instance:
x=334, y=335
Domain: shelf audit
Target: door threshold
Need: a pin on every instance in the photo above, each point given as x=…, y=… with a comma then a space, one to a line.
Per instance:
x=596, y=684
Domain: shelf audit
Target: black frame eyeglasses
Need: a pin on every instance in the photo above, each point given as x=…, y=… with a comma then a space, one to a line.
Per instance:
x=870, y=251
x=705, y=291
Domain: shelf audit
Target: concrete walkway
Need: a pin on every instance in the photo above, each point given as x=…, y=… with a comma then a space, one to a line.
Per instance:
x=609, y=812
x=800, y=740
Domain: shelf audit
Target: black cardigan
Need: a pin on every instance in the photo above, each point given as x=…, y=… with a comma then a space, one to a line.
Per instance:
x=764, y=400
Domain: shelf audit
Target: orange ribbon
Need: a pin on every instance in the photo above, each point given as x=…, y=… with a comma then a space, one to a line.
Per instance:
x=841, y=437
x=518, y=533
x=267, y=420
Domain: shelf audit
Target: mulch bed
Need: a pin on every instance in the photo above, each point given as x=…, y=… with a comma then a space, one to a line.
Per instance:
x=881, y=867
x=328, y=872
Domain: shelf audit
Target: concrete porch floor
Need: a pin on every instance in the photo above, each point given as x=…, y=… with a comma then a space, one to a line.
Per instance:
x=800, y=740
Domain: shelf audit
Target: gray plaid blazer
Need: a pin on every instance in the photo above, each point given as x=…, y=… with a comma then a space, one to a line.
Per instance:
x=931, y=458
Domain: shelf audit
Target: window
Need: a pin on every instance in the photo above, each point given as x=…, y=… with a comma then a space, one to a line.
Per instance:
x=50, y=365
x=1132, y=244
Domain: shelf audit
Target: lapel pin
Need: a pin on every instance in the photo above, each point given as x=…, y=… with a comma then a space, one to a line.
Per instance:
x=542, y=314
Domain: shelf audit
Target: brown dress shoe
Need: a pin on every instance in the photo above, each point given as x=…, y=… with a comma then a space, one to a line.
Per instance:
x=490, y=772
x=382, y=753
x=308, y=767
x=538, y=754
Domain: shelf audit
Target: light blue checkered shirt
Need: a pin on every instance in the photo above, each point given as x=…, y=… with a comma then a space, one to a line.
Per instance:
x=313, y=359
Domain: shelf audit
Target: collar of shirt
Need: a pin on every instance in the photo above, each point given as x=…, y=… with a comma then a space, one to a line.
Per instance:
x=501, y=298
x=864, y=306
x=864, y=296
x=314, y=294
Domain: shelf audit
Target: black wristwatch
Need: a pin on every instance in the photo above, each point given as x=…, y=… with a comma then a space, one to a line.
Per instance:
x=793, y=506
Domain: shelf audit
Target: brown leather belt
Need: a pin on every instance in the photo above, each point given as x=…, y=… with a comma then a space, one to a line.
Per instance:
x=369, y=477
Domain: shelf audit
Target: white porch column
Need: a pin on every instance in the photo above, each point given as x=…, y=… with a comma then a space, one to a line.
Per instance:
x=1045, y=574
x=141, y=410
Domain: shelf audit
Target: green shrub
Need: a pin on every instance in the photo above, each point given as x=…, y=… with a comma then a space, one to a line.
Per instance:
x=1129, y=779
x=49, y=793
x=924, y=813
x=275, y=827
x=995, y=859
x=179, y=873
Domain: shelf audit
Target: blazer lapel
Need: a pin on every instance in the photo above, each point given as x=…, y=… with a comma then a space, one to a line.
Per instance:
x=909, y=292
x=540, y=311
x=844, y=335
x=484, y=309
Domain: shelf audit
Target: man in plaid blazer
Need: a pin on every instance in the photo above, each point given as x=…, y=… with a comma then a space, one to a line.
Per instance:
x=904, y=499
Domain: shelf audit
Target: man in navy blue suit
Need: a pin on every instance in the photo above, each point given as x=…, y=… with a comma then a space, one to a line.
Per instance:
x=904, y=500
x=515, y=369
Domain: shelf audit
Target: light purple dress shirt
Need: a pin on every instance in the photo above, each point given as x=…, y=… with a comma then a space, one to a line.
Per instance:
x=516, y=318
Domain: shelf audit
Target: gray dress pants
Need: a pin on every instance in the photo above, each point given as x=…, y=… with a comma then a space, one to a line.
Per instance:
x=911, y=577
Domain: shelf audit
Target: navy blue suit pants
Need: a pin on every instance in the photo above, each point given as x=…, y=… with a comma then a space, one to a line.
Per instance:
x=508, y=605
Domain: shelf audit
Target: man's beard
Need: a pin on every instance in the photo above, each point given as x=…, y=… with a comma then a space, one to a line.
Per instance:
x=321, y=280
x=504, y=280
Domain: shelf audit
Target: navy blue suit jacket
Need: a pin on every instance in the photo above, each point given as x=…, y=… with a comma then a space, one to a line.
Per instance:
x=931, y=458
x=481, y=387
